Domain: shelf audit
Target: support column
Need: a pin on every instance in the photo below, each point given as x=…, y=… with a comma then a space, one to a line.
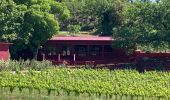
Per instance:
x=59, y=57
x=59, y=52
x=43, y=56
x=74, y=58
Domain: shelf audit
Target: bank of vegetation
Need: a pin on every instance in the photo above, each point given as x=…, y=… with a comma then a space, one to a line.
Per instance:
x=117, y=84
x=142, y=24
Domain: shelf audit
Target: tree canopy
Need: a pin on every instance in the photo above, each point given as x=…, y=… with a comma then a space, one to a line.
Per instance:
x=87, y=13
x=10, y=20
x=145, y=26
x=30, y=22
x=142, y=24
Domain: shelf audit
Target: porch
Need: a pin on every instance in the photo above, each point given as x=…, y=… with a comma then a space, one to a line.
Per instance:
x=82, y=52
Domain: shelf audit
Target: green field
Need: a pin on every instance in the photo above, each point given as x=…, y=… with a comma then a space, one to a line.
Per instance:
x=87, y=83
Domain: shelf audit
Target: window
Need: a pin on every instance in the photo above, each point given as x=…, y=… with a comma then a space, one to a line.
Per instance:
x=108, y=48
x=81, y=50
x=95, y=50
x=51, y=50
x=65, y=51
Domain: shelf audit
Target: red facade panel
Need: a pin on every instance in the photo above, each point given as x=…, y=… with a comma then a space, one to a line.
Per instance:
x=4, y=51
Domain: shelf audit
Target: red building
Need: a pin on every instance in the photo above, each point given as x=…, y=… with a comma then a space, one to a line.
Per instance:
x=4, y=51
x=82, y=50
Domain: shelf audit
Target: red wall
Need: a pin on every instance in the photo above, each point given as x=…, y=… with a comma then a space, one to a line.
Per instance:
x=4, y=51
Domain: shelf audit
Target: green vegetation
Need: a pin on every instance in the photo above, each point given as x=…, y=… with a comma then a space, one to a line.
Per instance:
x=35, y=95
x=21, y=65
x=145, y=26
x=30, y=23
x=89, y=14
x=73, y=29
x=117, y=83
x=136, y=24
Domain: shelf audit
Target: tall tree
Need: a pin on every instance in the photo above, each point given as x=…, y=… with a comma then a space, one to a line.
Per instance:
x=87, y=13
x=145, y=26
x=32, y=21
x=111, y=18
x=10, y=20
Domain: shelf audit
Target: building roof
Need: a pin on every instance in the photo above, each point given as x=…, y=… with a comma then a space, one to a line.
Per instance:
x=81, y=38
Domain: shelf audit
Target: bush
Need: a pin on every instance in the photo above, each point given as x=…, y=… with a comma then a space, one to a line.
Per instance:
x=13, y=65
x=73, y=29
x=37, y=65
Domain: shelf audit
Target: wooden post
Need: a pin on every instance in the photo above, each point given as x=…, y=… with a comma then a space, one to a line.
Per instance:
x=59, y=58
x=74, y=58
x=43, y=56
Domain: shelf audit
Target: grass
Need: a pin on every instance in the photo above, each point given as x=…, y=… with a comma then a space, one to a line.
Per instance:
x=25, y=95
x=5, y=94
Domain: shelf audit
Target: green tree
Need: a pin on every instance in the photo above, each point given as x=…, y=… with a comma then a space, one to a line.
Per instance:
x=73, y=29
x=145, y=26
x=10, y=20
x=87, y=13
x=32, y=22
x=111, y=18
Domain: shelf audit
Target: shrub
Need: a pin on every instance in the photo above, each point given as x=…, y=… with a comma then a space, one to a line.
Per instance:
x=73, y=29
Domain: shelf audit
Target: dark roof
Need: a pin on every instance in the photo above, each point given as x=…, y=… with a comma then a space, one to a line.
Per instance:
x=82, y=38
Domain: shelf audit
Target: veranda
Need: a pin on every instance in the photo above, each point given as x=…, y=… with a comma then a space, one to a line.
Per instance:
x=75, y=50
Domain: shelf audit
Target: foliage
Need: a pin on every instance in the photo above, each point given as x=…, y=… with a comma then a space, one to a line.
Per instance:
x=145, y=25
x=99, y=82
x=111, y=18
x=136, y=24
x=86, y=13
x=73, y=29
x=10, y=20
x=30, y=23
x=13, y=65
